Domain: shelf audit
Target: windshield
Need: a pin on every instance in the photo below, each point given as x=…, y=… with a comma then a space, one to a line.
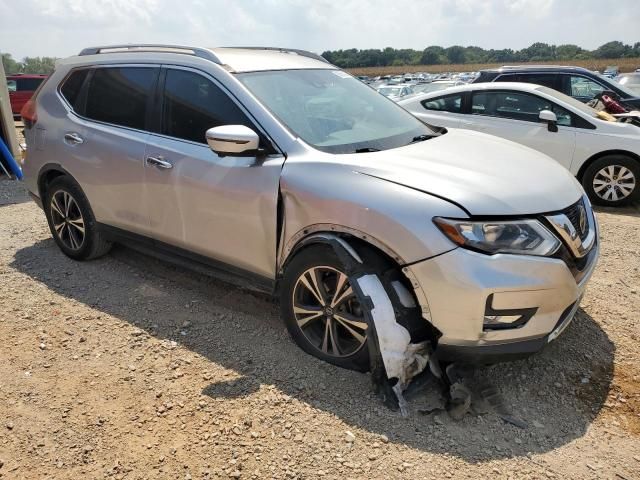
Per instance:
x=614, y=85
x=387, y=91
x=334, y=112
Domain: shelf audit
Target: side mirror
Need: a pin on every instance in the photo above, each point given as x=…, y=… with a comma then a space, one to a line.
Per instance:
x=551, y=119
x=236, y=140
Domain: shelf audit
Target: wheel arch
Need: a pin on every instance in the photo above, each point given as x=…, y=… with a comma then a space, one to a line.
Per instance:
x=47, y=174
x=605, y=153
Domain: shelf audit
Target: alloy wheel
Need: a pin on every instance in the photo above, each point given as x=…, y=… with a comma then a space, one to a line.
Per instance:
x=67, y=220
x=614, y=182
x=328, y=313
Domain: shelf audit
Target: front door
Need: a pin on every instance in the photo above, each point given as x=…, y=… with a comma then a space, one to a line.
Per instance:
x=224, y=208
x=514, y=116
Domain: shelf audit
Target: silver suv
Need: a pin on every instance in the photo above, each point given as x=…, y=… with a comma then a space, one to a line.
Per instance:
x=386, y=240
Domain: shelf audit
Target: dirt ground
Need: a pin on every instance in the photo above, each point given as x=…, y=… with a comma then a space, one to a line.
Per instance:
x=126, y=367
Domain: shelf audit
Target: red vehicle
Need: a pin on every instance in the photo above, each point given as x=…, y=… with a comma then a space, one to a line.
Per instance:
x=21, y=88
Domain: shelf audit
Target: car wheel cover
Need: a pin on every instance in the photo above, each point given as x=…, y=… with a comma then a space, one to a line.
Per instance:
x=328, y=313
x=67, y=220
x=614, y=182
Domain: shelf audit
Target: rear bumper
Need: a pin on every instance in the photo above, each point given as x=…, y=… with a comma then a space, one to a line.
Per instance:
x=457, y=284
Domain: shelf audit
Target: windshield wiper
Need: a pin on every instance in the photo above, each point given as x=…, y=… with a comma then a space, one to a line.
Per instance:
x=421, y=138
x=366, y=150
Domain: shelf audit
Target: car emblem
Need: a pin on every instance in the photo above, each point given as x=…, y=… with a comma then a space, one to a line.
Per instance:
x=582, y=219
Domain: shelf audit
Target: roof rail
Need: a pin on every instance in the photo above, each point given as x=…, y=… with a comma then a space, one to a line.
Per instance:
x=149, y=47
x=302, y=53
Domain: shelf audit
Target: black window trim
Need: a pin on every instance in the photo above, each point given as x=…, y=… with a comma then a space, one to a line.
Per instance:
x=270, y=145
x=85, y=86
x=574, y=116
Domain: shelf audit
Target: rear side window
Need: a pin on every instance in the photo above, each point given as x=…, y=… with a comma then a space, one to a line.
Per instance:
x=120, y=95
x=12, y=86
x=544, y=79
x=28, y=84
x=516, y=106
x=193, y=104
x=449, y=103
x=70, y=89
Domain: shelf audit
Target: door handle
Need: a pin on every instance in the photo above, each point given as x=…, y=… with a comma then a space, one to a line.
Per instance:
x=159, y=162
x=73, y=138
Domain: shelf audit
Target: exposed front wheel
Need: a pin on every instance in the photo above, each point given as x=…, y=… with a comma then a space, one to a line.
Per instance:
x=71, y=221
x=321, y=310
x=613, y=180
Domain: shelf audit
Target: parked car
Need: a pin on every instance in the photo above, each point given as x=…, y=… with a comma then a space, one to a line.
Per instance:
x=631, y=81
x=604, y=155
x=579, y=83
x=395, y=92
x=612, y=71
x=21, y=88
x=383, y=238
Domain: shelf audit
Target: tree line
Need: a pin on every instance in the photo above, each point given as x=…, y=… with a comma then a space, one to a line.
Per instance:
x=433, y=55
x=436, y=55
x=28, y=64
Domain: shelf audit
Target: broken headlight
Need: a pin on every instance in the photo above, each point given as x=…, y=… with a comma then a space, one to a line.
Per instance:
x=525, y=237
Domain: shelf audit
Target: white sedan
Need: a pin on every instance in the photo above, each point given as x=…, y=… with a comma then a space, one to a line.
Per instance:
x=602, y=153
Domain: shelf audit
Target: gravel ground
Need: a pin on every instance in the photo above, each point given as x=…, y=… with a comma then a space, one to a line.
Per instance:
x=126, y=367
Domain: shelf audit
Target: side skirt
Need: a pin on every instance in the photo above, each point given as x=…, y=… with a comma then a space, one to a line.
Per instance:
x=190, y=260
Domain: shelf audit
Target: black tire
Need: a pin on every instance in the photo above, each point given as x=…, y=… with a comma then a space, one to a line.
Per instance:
x=74, y=243
x=616, y=162
x=309, y=258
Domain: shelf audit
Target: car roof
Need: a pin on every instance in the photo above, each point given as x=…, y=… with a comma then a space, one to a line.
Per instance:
x=558, y=68
x=520, y=86
x=16, y=76
x=233, y=59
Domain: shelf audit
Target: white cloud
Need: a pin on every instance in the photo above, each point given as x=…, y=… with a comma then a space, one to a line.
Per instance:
x=64, y=27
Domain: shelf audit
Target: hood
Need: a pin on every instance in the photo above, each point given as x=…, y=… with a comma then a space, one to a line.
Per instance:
x=484, y=174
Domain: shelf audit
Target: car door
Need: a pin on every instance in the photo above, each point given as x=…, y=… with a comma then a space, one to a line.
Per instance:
x=104, y=145
x=442, y=111
x=224, y=208
x=514, y=115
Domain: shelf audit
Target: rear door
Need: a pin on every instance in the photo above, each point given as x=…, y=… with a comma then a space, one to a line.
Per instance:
x=108, y=142
x=514, y=116
x=224, y=208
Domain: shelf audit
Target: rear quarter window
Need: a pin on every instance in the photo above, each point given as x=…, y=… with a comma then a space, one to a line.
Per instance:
x=72, y=86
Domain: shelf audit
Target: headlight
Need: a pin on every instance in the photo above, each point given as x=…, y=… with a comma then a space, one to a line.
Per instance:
x=525, y=237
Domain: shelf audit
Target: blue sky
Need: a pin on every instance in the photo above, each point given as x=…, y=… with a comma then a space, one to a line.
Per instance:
x=63, y=27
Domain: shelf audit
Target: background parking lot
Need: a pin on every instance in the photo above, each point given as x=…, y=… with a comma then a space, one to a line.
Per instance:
x=130, y=368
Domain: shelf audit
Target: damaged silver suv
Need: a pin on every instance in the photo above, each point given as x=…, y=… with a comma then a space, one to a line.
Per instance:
x=386, y=240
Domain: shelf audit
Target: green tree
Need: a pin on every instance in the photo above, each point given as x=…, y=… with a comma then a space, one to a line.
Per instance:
x=456, y=54
x=432, y=55
x=9, y=64
x=38, y=64
x=611, y=50
x=568, y=52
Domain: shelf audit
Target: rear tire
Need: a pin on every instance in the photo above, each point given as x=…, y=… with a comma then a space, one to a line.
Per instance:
x=613, y=181
x=71, y=221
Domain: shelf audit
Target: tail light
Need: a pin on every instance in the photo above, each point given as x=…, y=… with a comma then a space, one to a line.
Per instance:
x=28, y=112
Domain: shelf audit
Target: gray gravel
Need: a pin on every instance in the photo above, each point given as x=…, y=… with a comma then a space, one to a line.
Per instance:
x=126, y=367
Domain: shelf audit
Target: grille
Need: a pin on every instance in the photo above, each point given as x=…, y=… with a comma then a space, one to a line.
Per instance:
x=574, y=213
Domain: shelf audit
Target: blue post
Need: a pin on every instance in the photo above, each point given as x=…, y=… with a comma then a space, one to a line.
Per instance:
x=13, y=165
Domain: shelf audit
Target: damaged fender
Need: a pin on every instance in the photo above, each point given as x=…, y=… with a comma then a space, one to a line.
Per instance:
x=394, y=359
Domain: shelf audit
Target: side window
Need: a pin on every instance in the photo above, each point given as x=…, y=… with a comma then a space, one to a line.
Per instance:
x=544, y=79
x=12, y=86
x=120, y=95
x=507, y=77
x=28, y=84
x=449, y=103
x=582, y=87
x=517, y=106
x=192, y=104
x=71, y=87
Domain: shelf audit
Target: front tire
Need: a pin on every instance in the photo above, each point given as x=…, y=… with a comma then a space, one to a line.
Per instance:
x=71, y=221
x=613, y=180
x=321, y=310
